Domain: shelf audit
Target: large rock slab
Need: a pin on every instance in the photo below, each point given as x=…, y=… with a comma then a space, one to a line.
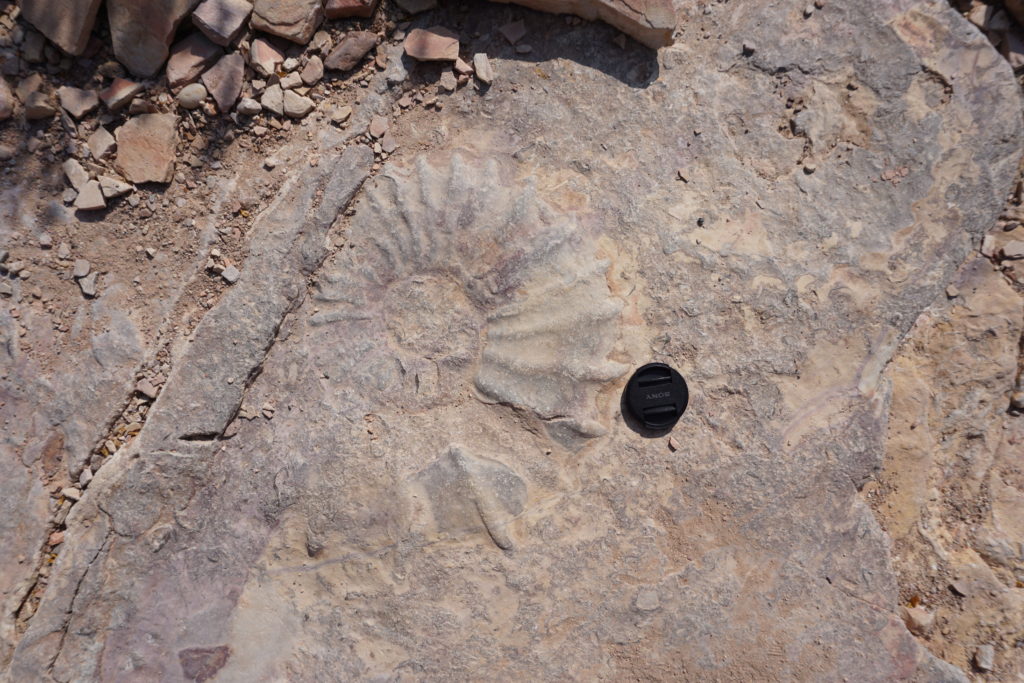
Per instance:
x=141, y=32
x=67, y=23
x=428, y=440
x=650, y=22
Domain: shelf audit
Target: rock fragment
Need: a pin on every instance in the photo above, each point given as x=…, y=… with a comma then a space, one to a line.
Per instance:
x=432, y=44
x=1012, y=250
x=513, y=31
x=38, y=106
x=462, y=68
x=189, y=58
x=71, y=493
x=295, y=20
x=985, y=657
x=75, y=173
x=273, y=100
x=264, y=57
x=919, y=621
x=447, y=82
x=351, y=50
x=112, y=187
x=141, y=32
x=192, y=96
x=67, y=23
x=146, y=388
x=248, y=107
x=378, y=126
x=345, y=9
x=88, y=285
x=224, y=81
x=145, y=148
x=231, y=275
x=119, y=93
x=76, y=101
x=295, y=105
x=90, y=197
x=313, y=71
x=100, y=143
x=650, y=22
x=482, y=67
x=222, y=21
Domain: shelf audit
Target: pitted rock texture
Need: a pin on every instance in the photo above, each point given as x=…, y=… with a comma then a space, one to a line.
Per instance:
x=356, y=528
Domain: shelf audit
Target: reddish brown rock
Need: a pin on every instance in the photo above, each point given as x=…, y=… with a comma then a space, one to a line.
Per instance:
x=145, y=148
x=295, y=20
x=76, y=101
x=222, y=21
x=343, y=9
x=224, y=81
x=119, y=93
x=142, y=32
x=351, y=50
x=432, y=44
x=67, y=23
x=189, y=58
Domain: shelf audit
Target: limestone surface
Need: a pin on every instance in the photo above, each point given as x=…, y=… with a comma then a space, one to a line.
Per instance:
x=394, y=448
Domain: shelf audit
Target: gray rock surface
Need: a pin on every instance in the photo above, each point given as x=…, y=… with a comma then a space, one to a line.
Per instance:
x=423, y=434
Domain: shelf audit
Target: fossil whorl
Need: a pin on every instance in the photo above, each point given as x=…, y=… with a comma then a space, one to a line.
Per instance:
x=458, y=274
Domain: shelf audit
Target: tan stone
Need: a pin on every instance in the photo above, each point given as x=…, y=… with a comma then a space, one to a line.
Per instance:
x=76, y=101
x=119, y=93
x=432, y=44
x=264, y=57
x=145, y=148
x=351, y=50
x=222, y=21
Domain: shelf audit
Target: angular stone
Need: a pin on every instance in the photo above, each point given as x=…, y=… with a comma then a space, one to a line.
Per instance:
x=344, y=9
x=38, y=106
x=145, y=148
x=75, y=173
x=222, y=21
x=264, y=57
x=1012, y=250
x=349, y=52
x=650, y=22
x=67, y=23
x=482, y=68
x=513, y=31
x=296, y=106
x=295, y=20
x=80, y=268
x=313, y=71
x=432, y=44
x=113, y=187
x=224, y=81
x=76, y=101
x=88, y=283
x=101, y=143
x=119, y=93
x=273, y=100
x=6, y=100
x=378, y=126
x=248, y=107
x=90, y=197
x=141, y=32
x=189, y=58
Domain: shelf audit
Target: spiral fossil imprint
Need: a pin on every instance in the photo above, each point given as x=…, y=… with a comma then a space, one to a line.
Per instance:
x=458, y=274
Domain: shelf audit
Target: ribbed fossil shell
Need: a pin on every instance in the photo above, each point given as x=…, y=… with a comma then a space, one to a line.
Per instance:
x=460, y=277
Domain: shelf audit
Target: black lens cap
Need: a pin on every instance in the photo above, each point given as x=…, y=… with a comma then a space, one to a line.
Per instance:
x=657, y=396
